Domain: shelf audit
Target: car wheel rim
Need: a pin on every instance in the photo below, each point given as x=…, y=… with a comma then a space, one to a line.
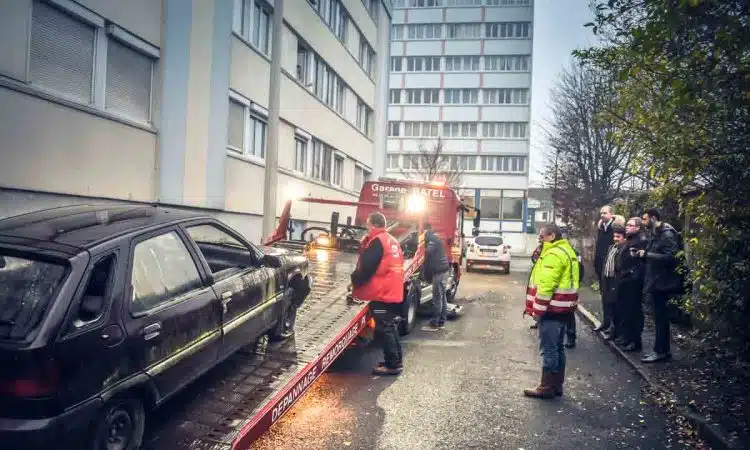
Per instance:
x=119, y=430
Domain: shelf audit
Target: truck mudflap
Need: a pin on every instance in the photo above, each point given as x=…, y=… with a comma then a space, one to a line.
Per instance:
x=236, y=402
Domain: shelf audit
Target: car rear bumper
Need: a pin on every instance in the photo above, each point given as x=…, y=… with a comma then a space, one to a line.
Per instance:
x=488, y=263
x=42, y=433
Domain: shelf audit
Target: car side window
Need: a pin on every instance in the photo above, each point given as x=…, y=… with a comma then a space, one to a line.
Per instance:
x=162, y=270
x=96, y=293
x=224, y=254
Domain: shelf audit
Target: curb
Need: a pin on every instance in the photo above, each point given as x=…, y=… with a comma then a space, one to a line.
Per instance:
x=714, y=435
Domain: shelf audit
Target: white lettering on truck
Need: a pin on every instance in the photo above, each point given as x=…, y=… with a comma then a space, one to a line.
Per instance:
x=437, y=193
x=294, y=394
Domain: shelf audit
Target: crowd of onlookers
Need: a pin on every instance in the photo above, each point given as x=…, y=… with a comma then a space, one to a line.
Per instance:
x=635, y=261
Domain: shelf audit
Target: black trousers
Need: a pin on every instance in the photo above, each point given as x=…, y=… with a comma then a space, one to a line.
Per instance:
x=662, y=339
x=570, y=329
x=385, y=322
x=630, y=311
x=609, y=299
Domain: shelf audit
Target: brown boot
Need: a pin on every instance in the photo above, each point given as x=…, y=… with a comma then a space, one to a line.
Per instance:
x=559, y=381
x=546, y=388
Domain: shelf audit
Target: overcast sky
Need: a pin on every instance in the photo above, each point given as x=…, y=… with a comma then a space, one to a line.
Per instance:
x=558, y=30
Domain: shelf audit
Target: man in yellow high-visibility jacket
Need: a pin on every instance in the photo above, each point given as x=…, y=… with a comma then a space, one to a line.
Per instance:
x=551, y=299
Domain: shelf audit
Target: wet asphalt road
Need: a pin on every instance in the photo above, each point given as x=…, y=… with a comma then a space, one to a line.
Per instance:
x=462, y=389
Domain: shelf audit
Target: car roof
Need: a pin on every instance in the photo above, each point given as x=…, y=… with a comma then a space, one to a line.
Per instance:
x=80, y=227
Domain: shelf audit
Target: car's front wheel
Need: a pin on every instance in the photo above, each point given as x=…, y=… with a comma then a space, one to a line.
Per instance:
x=411, y=305
x=120, y=425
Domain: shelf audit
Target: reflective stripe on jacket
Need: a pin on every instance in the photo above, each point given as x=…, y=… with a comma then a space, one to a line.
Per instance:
x=387, y=285
x=553, y=285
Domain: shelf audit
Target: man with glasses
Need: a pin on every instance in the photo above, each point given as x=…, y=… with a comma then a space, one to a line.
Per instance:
x=630, y=287
x=604, y=240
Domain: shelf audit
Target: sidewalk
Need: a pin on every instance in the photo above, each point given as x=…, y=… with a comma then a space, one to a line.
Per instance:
x=711, y=388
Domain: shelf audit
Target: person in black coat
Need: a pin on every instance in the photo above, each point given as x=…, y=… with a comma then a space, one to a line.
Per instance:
x=435, y=271
x=661, y=279
x=630, y=273
x=604, y=240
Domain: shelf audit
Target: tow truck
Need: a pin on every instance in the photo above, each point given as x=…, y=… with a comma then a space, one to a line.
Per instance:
x=233, y=405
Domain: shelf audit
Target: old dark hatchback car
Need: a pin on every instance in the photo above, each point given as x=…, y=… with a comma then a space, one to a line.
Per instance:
x=107, y=311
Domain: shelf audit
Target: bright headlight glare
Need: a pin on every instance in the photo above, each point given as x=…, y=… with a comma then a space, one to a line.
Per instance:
x=416, y=203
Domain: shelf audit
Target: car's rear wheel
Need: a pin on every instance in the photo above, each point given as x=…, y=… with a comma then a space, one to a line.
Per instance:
x=120, y=425
x=285, y=327
x=411, y=305
x=452, y=288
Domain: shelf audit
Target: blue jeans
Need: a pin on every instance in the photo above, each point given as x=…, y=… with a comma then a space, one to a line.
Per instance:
x=439, y=299
x=552, y=345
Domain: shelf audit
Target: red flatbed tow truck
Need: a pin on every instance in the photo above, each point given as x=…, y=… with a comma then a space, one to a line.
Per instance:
x=239, y=400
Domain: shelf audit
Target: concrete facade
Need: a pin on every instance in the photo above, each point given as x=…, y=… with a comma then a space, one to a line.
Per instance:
x=461, y=73
x=167, y=102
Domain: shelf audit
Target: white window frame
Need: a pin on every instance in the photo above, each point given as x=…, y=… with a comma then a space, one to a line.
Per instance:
x=394, y=129
x=240, y=16
x=103, y=32
x=397, y=64
x=337, y=169
x=303, y=139
x=253, y=112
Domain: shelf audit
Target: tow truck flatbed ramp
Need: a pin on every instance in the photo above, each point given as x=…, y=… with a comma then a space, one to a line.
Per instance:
x=236, y=402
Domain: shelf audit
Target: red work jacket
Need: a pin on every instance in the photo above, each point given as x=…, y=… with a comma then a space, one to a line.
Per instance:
x=387, y=285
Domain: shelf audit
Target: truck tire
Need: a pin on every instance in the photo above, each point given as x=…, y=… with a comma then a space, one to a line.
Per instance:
x=122, y=422
x=410, y=308
x=450, y=294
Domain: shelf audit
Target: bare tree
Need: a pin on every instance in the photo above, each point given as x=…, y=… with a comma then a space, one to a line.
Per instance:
x=430, y=163
x=584, y=166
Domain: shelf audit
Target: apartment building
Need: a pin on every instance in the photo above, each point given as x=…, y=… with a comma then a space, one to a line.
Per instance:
x=461, y=73
x=166, y=101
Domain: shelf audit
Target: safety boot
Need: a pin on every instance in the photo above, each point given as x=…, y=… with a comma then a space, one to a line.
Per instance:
x=546, y=388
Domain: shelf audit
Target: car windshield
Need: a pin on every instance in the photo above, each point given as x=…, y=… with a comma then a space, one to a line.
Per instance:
x=27, y=287
x=490, y=241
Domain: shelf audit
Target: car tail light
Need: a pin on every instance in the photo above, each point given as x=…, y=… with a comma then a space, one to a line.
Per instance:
x=40, y=381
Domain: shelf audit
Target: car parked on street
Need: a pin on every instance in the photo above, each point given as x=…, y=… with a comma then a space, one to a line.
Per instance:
x=487, y=251
x=108, y=311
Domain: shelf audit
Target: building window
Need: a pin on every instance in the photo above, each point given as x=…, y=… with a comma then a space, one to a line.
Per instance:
x=464, y=31
x=510, y=130
x=255, y=24
x=361, y=176
x=459, y=129
x=372, y=8
x=304, y=63
x=334, y=15
x=300, y=155
x=322, y=158
x=397, y=32
x=394, y=129
x=509, y=96
x=247, y=131
x=421, y=129
x=545, y=216
x=507, y=63
x=396, y=63
x=508, y=2
x=338, y=171
x=64, y=61
x=425, y=31
x=490, y=207
x=461, y=96
x=392, y=162
x=507, y=30
x=394, y=96
x=512, y=208
x=422, y=96
x=422, y=3
x=463, y=2
x=366, y=56
x=461, y=63
x=504, y=164
x=423, y=63
x=329, y=87
x=364, y=114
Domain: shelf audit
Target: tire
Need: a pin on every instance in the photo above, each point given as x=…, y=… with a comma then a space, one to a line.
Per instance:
x=285, y=327
x=410, y=308
x=450, y=294
x=120, y=425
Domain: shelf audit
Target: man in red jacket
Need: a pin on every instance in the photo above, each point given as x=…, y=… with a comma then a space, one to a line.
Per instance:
x=379, y=279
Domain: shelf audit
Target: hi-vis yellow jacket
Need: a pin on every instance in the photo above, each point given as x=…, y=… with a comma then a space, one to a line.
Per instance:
x=553, y=285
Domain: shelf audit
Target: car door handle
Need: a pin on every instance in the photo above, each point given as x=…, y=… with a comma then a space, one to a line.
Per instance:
x=226, y=297
x=151, y=331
